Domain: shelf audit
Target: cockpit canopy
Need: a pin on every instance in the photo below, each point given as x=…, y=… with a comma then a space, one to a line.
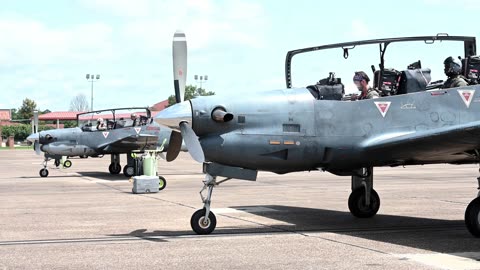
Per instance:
x=388, y=81
x=114, y=118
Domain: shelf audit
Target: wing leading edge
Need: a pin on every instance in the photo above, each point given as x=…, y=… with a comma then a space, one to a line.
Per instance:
x=129, y=143
x=449, y=144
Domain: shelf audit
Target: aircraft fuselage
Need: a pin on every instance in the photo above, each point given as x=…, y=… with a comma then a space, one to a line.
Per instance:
x=289, y=130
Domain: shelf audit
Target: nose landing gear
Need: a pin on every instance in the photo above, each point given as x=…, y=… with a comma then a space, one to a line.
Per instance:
x=203, y=221
x=44, y=172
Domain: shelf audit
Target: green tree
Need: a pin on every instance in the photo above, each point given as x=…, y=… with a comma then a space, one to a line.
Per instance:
x=14, y=114
x=26, y=111
x=191, y=92
x=21, y=132
x=69, y=124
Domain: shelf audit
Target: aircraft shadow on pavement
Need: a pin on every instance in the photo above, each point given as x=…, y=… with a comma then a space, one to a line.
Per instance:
x=98, y=175
x=442, y=236
x=103, y=176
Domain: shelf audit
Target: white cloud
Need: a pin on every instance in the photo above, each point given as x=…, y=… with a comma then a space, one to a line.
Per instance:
x=125, y=8
x=360, y=30
x=204, y=22
x=31, y=42
x=468, y=4
x=47, y=61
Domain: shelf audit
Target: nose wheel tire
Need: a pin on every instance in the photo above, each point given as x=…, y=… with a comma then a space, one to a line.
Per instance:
x=57, y=162
x=162, y=183
x=200, y=225
x=472, y=217
x=114, y=168
x=67, y=164
x=357, y=205
x=43, y=173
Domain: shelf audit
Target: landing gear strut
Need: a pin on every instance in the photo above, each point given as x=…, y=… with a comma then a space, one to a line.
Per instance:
x=364, y=201
x=44, y=172
x=203, y=221
x=115, y=167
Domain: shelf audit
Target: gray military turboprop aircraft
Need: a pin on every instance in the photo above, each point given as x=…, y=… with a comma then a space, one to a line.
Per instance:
x=299, y=129
x=119, y=136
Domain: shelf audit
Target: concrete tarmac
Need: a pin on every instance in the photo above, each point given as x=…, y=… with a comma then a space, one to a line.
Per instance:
x=85, y=218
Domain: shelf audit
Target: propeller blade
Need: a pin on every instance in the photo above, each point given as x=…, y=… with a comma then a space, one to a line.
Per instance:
x=35, y=122
x=192, y=142
x=179, y=53
x=36, y=146
x=174, y=145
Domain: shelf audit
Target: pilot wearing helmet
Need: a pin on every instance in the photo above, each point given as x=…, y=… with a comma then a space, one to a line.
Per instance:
x=100, y=124
x=453, y=68
x=134, y=118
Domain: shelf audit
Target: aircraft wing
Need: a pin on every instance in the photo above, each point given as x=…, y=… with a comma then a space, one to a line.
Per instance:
x=129, y=143
x=448, y=144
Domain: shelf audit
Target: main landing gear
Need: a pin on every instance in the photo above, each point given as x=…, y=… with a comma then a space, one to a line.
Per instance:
x=472, y=214
x=364, y=201
x=203, y=221
x=129, y=169
x=115, y=167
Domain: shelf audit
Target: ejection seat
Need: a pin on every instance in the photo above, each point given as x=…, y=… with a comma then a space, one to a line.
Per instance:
x=414, y=79
x=330, y=88
x=386, y=81
x=471, y=69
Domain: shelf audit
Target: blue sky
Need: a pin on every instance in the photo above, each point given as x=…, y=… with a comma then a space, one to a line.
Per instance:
x=48, y=46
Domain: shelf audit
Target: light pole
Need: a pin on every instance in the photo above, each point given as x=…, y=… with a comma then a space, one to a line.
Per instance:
x=201, y=79
x=92, y=78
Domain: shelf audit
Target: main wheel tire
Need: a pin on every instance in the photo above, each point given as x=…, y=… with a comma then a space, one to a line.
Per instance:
x=114, y=168
x=162, y=183
x=57, y=162
x=67, y=164
x=472, y=217
x=357, y=205
x=43, y=173
x=202, y=226
x=128, y=171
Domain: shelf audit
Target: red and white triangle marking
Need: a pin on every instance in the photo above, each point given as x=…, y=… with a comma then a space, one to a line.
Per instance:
x=137, y=129
x=467, y=96
x=105, y=134
x=383, y=106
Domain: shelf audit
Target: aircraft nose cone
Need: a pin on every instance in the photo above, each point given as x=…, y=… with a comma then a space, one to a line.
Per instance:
x=33, y=137
x=175, y=114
